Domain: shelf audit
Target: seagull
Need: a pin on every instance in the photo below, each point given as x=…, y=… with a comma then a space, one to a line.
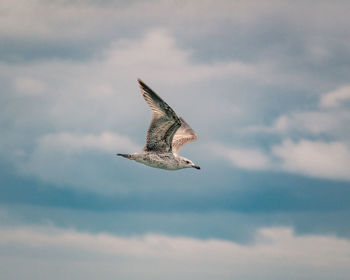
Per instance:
x=166, y=134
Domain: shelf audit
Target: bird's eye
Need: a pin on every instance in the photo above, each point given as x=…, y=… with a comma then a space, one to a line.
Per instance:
x=187, y=161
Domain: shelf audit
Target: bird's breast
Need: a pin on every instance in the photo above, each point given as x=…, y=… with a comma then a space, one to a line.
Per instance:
x=163, y=161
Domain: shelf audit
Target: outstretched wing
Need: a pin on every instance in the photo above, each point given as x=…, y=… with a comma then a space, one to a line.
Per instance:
x=183, y=135
x=164, y=122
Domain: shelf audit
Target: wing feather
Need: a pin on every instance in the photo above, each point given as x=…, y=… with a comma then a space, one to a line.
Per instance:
x=183, y=135
x=164, y=122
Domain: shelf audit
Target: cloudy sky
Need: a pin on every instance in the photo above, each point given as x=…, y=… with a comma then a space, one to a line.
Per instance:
x=266, y=86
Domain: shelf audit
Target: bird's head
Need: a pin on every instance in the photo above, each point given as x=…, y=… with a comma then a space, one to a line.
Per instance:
x=186, y=163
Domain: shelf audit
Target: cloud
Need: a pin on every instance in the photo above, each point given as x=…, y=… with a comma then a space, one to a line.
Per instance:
x=81, y=29
x=29, y=86
x=316, y=122
x=329, y=160
x=74, y=160
x=315, y=158
x=329, y=117
x=306, y=123
x=242, y=157
x=78, y=93
x=71, y=143
x=244, y=60
x=280, y=125
x=69, y=102
x=276, y=248
x=90, y=106
x=321, y=145
x=156, y=56
x=43, y=19
x=335, y=98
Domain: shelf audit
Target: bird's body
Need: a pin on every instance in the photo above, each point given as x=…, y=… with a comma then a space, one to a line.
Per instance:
x=158, y=160
x=166, y=134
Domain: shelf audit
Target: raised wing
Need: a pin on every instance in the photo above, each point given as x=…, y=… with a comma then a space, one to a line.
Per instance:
x=164, y=122
x=183, y=135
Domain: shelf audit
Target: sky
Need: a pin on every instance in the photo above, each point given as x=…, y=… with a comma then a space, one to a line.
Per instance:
x=265, y=84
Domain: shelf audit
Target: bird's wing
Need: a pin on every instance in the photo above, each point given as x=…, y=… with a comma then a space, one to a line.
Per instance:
x=164, y=122
x=183, y=135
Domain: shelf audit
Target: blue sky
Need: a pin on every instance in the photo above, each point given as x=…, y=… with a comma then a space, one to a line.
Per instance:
x=265, y=84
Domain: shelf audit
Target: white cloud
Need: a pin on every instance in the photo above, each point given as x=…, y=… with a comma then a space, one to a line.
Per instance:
x=242, y=157
x=329, y=118
x=87, y=98
x=100, y=93
x=335, y=98
x=69, y=160
x=280, y=125
x=315, y=122
x=315, y=158
x=29, y=86
x=276, y=253
x=96, y=95
x=156, y=57
x=65, y=142
x=42, y=19
x=329, y=160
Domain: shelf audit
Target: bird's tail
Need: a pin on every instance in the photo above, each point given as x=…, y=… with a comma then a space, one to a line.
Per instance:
x=128, y=156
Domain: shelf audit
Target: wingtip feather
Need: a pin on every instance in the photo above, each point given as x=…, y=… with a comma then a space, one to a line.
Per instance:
x=141, y=83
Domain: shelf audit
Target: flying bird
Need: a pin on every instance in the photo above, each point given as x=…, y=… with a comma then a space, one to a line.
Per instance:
x=166, y=134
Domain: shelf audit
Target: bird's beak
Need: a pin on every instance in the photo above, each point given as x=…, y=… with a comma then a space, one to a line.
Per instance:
x=196, y=166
